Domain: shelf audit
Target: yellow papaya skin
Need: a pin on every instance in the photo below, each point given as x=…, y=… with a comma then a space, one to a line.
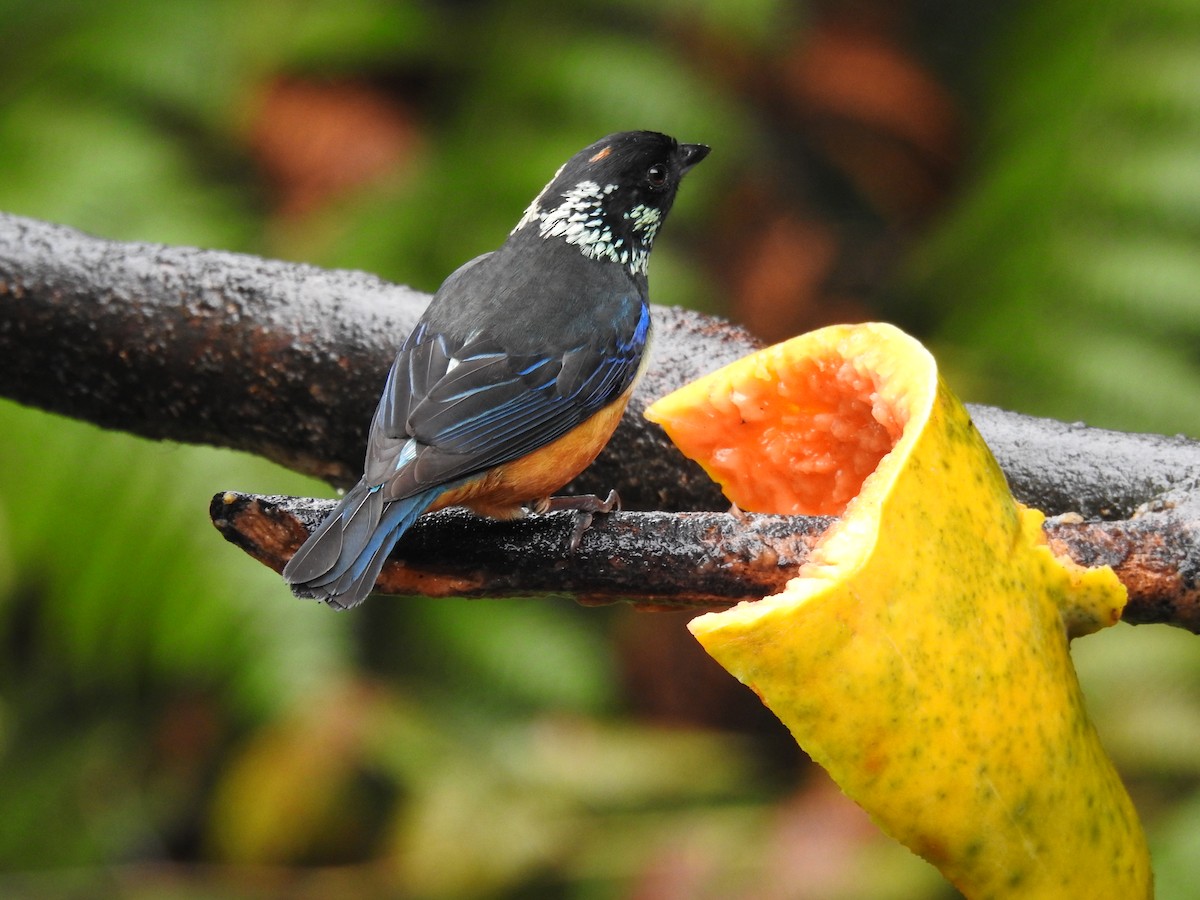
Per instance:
x=921, y=655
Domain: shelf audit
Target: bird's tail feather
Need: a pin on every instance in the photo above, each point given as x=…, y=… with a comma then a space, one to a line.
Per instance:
x=341, y=559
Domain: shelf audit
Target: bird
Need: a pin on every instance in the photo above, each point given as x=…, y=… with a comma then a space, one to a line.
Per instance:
x=516, y=375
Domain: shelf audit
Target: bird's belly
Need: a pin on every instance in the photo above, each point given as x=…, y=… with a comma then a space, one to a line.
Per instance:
x=501, y=492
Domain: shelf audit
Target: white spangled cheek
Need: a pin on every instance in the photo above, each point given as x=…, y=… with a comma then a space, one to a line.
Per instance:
x=579, y=220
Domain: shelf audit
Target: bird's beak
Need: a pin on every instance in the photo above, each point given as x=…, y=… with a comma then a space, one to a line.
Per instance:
x=690, y=154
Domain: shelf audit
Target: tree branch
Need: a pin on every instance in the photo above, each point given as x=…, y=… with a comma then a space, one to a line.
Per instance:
x=283, y=360
x=287, y=361
x=696, y=560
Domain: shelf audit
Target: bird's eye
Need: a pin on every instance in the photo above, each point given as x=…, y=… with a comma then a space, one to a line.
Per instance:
x=656, y=176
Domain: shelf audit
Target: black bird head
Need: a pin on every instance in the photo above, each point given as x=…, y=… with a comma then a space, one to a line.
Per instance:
x=609, y=199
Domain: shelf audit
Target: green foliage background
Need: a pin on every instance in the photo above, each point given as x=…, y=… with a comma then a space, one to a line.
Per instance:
x=173, y=723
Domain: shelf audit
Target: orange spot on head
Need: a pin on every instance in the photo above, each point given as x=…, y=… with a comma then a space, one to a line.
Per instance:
x=601, y=154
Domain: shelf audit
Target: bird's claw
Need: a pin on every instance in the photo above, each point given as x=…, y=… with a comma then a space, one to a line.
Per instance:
x=585, y=508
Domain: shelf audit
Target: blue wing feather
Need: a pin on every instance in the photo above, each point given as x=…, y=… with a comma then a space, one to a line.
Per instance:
x=456, y=408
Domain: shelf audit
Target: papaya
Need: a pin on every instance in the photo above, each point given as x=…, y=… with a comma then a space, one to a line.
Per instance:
x=921, y=653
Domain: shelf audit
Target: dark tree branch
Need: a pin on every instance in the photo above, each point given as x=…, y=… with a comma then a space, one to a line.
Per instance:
x=652, y=559
x=278, y=359
x=286, y=361
x=696, y=560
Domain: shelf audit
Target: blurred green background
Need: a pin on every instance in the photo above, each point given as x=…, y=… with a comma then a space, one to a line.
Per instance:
x=1016, y=183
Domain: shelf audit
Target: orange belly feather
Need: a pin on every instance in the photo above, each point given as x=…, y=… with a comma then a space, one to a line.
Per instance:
x=501, y=492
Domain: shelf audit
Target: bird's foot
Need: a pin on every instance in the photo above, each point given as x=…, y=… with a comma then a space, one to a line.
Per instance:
x=738, y=513
x=585, y=508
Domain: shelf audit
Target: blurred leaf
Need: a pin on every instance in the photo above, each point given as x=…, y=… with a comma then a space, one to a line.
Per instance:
x=620, y=767
x=495, y=834
x=556, y=794
x=516, y=654
x=278, y=800
x=70, y=161
x=343, y=33
x=515, y=126
x=136, y=584
x=122, y=601
x=151, y=53
x=758, y=22
x=1176, y=850
x=1143, y=687
x=1068, y=266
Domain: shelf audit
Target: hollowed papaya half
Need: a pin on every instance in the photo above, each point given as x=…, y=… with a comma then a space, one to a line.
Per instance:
x=921, y=654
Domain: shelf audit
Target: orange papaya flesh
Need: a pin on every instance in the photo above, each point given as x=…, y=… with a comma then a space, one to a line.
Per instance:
x=796, y=437
x=921, y=654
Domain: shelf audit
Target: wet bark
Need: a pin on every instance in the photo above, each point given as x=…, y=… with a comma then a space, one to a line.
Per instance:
x=287, y=360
